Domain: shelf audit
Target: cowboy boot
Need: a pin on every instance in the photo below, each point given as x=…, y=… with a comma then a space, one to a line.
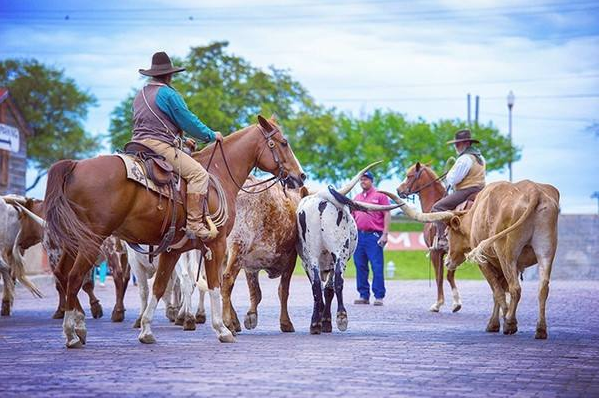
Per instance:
x=195, y=222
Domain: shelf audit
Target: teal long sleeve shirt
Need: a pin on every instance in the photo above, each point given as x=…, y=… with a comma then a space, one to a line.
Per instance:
x=172, y=104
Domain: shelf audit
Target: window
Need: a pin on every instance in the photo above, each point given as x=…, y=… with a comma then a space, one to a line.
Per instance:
x=4, y=166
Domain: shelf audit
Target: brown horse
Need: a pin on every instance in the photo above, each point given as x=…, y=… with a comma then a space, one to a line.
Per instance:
x=421, y=180
x=88, y=200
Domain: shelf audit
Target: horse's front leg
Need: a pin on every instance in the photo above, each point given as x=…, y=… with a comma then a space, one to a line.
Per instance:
x=163, y=275
x=213, y=267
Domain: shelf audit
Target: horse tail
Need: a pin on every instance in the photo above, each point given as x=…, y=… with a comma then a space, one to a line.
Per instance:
x=64, y=228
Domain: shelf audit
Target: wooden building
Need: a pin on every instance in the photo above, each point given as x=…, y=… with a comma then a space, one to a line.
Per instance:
x=14, y=132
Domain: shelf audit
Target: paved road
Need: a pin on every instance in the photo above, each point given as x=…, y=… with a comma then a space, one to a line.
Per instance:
x=399, y=349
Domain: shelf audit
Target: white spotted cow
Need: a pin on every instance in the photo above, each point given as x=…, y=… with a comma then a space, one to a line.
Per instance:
x=327, y=239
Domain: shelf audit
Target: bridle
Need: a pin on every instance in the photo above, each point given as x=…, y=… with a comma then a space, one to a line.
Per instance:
x=412, y=191
x=269, y=142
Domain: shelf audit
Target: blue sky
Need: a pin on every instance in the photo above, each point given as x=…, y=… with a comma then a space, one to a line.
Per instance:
x=420, y=57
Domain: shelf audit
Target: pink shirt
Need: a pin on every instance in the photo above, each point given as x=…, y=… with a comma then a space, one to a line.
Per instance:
x=373, y=220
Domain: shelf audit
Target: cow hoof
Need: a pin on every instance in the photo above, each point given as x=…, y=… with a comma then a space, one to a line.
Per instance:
x=342, y=321
x=5, y=308
x=59, y=314
x=226, y=338
x=147, y=339
x=492, y=328
x=137, y=323
x=541, y=334
x=75, y=343
x=189, y=324
x=117, y=316
x=456, y=307
x=97, y=311
x=287, y=327
x=179, y=321
x=251, y=320
x=315, y=328
x=82, y=334
x=201, y=318
x=327, y=326
x=510, y=327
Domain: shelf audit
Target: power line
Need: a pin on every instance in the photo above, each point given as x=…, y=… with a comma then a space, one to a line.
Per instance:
x=545, y=118
x=403, y=99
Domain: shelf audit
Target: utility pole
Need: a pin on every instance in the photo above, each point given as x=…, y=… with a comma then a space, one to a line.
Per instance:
x=596, y=195
x=468, y=102
x=476, y=103
x=510, y=104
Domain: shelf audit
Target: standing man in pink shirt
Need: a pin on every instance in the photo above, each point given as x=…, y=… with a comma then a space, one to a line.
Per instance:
x=373, y=228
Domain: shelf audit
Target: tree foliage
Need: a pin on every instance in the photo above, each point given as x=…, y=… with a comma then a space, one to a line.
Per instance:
x=227, y=93
x=55, y=108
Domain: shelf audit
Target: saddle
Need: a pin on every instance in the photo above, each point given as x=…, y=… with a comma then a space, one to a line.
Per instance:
x=464, y=206
x=158, y=170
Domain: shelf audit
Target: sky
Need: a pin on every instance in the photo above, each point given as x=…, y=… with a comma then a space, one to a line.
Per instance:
x=420, y=58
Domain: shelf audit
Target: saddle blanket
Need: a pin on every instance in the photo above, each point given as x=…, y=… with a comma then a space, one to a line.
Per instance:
x=136, y=171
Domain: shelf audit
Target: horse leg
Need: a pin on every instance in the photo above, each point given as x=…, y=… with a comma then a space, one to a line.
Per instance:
x=457, y=300
x=59, y=313
x=438, y=265
x=94, y=302
x=142, y=283
x=213, y=267
x=229, y=276
x=341, y=312
x=316, y=322
x=285, y=320
x=8, y=293
x=185, y=318
x=74, y=318
x=120, y=276
x=163, y=275
x=201, y=313
x=329, y=293
x=251, y=318
x=172, y=298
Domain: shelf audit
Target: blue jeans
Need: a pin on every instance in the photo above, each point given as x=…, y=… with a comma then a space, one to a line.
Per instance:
x=369, y=250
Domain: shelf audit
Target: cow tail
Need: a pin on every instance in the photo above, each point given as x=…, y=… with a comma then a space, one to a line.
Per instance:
x=18, y=268
x=64, y=228
x=478, y=255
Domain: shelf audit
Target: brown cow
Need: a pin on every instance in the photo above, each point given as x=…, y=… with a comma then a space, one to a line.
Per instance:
x=263, y=238
x=511, y=226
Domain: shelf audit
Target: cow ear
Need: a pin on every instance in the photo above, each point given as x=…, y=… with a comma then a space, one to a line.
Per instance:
x=264, y=123
x=454, y=223
x=304, y=192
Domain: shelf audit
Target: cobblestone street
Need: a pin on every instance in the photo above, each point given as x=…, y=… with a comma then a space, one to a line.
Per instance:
x=400, y=349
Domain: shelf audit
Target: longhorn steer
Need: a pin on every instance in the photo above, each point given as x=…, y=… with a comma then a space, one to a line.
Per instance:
x=327, y=239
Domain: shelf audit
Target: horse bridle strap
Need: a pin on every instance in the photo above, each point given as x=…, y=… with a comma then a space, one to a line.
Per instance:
x=419, y=189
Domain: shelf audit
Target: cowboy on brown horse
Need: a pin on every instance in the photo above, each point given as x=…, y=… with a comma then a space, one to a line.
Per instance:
x=160, y=116
x=466, y=177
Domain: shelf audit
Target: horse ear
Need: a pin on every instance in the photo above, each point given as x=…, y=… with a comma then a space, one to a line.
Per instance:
x=264, y=123
x=418, y=166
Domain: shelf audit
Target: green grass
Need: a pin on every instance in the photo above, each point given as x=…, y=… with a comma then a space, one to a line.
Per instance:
x=405, y=226
x=410, y=265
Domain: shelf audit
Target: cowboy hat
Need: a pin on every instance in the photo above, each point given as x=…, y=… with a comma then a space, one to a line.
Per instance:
x=461, y=136
x=161, y=65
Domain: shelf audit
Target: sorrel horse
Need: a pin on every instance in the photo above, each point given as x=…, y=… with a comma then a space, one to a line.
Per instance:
x=421, y=180
x=89, y=200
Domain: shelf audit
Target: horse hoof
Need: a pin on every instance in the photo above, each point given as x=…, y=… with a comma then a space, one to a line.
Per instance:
x=137, y=323
x=179, y=321
x=492, y=328
x=97, y=311
x=316, y=328
x=200, y=318
x=541, y=334
x=117, y=316
x=510, y=327
x=147, y=339
x=82, y=334
x=189, y=324
x=250, y=321
x=435, y=307
x=5, y=308
x=75, y=343
x=59, y=314
x=456, y=307
x=327, y=326
x=342, y=321
x=171, y=314
x=226, y=338
x=287, y=327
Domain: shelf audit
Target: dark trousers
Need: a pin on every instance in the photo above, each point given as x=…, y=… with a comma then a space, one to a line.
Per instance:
x=369, y=250
x=450, y=202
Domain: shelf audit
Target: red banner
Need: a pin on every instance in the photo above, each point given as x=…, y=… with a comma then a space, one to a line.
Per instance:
x=404, y=241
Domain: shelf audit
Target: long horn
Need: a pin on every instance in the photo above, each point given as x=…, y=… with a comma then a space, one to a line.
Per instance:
x=32, y=215
x=376, y=207
x=14, y=199
x=418, y=216
x=348, y=187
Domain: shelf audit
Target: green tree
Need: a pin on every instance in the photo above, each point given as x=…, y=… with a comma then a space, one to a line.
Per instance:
x=55, y=108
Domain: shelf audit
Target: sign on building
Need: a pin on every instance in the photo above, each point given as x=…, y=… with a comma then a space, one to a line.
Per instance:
x=9, y=138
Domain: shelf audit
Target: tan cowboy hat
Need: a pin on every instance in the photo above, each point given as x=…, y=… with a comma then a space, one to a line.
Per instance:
x=161, y=65
x=461, y=136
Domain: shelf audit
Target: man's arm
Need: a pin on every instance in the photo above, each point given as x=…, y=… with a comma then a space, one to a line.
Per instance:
x=172, y=104
x=459, y=170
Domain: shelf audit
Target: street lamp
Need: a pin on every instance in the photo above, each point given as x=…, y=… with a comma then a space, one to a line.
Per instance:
x=510, y=105
x=596, y=195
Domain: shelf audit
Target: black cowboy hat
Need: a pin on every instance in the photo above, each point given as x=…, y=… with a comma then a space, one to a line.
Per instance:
x=461, y=136
x=161, y=65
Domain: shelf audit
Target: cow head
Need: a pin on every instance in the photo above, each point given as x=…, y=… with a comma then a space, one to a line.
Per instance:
x=459, y=242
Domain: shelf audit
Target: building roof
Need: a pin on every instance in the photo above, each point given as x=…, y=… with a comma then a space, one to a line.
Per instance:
x=5, y=97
